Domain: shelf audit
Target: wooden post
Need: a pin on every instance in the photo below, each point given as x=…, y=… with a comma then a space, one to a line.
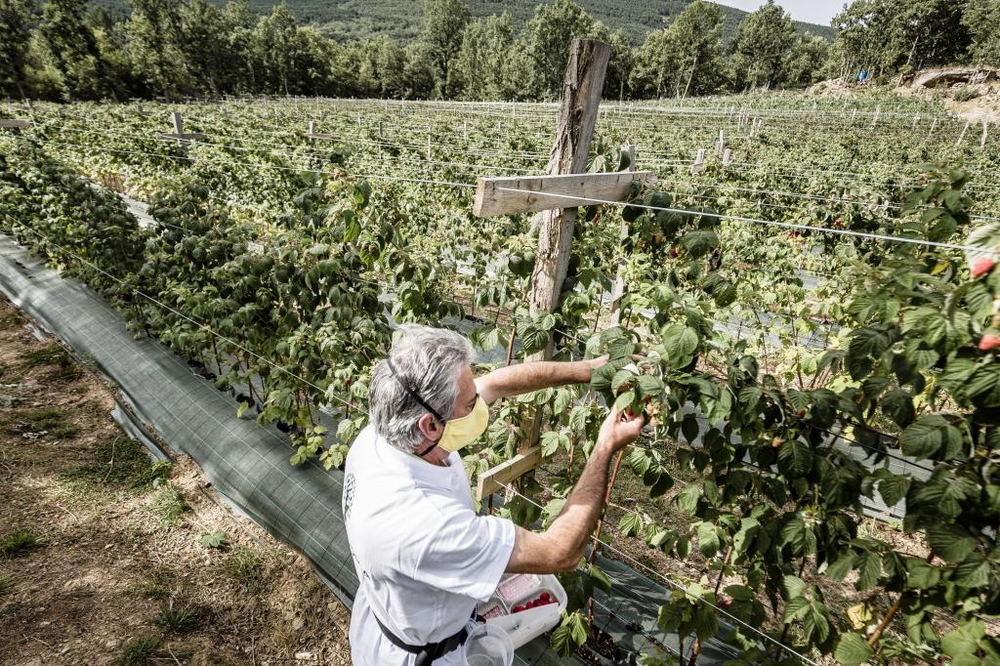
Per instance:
x=878, y=112
x=727, y=157
x=720, y=144
x=428, y=146
x=313, y=134
x=582, y=85
x=916, y=119
x=619, y=288
x=179, y=134
x=982, y=142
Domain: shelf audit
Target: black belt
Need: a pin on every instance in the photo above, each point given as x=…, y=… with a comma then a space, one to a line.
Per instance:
x=426, y=654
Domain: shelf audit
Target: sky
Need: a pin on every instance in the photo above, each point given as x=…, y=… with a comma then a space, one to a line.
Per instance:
x=810, y=11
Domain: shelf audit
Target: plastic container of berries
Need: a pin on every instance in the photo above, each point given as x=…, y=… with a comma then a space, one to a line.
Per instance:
x=525, y=606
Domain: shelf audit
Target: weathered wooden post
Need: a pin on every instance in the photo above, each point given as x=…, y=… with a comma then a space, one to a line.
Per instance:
x=582, y=85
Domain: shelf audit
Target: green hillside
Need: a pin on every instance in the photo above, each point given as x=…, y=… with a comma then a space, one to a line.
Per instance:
x=402, y=19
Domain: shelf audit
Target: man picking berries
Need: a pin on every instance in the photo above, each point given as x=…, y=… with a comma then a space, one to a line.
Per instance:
x=423, y=556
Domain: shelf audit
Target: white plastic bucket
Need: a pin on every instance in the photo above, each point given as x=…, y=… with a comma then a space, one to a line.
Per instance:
x=488, y=645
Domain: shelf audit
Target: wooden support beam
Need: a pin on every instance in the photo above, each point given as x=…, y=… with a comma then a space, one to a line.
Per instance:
x=14, y=123
x=495, y=479
x=178, y=134
x=313, y=134
x=506, y=196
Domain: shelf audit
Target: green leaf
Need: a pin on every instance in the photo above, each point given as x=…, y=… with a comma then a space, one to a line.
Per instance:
x=921, y=575
x=623, y=377
x=570, y=634
x=923, y=438
x=956, y=373
x=600, y=379
x=892, y=487
x=708, y=539
x=599, y=579
x=699, y=242
x=973, y=572
x=794, y=457
x=631, y=524
x=639, y=461
x=963, y=644
x=869, y=569
x=687, y=499
x=795, y=609
x=793, y=587
x=838, y=570
x=950, y=542
x=578, y=419
x=853, y=650
x=898, y=405
x=550, y=443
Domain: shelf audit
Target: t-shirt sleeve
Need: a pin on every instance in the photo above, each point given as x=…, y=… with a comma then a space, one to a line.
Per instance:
x=467, y=555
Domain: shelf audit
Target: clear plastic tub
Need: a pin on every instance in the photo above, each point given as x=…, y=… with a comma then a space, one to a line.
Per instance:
x=509, y=609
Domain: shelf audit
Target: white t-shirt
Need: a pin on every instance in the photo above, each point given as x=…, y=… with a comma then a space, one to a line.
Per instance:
x=423, y=555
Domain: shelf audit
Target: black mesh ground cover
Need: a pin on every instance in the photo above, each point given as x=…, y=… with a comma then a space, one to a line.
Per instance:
x=248, y=463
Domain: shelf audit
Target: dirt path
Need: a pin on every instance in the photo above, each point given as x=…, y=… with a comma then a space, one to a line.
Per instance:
x=109, y=558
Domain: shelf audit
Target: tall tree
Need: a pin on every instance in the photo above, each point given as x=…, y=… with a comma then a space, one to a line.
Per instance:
x=804, y=64
x=15, y=34
x=927, y=33
x=760, y=46
x=982, y=18
x=488, y=59
x=686, y=58
x=616, y=83
x=550, y=34
x=282, y=51
x=154, y=48
x=889, y=36
x=241, y=23
x=444, y=24
x=209, y=53
x=72, y=50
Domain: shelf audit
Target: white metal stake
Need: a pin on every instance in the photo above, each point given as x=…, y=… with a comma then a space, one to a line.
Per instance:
x=933, y=127
x=699, y=162
x=916, y=119
x=961, y=136
x=982, y=142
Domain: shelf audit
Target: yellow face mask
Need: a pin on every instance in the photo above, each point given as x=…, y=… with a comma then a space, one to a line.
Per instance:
x=457, y=432
x=462, y=432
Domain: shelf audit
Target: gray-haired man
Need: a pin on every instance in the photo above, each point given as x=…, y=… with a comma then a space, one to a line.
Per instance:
x=423, y=556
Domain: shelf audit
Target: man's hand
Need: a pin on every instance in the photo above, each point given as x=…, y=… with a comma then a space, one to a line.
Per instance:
x=619, y=430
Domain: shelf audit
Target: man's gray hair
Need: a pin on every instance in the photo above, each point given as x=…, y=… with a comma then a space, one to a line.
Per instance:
x=428, y=361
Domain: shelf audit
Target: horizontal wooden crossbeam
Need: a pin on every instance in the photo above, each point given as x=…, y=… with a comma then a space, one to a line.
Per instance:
x=11, y=123
x=506, y=196
x=178, y=133
x=495, y=479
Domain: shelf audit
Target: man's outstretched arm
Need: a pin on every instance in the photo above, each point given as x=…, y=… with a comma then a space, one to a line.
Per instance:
x=560, y=547
x=527, y=377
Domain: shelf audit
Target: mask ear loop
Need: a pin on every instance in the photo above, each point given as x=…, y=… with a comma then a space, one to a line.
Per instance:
x=413, y=394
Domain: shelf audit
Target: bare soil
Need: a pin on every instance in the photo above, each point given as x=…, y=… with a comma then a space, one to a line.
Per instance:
x=94, y=567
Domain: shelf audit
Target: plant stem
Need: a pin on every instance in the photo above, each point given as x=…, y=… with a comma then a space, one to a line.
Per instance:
x=873, y=639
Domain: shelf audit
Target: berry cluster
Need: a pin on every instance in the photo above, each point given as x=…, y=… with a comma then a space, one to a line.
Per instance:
x=543, y=599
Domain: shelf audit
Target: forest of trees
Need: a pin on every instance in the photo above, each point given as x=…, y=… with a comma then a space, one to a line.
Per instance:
x=73, y=50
